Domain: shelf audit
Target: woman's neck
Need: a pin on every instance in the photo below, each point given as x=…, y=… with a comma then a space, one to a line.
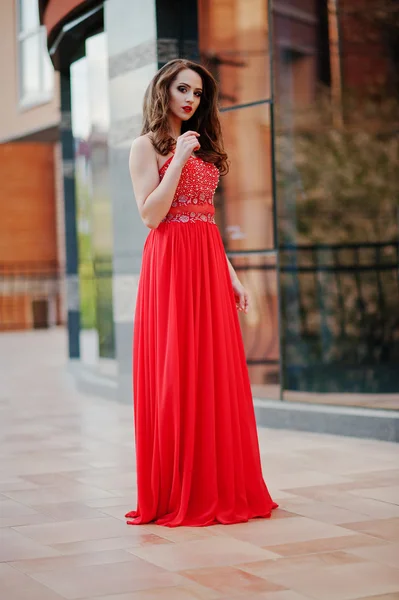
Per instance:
x=174, y=126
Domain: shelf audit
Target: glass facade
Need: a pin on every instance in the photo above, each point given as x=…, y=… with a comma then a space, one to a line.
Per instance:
x=336, y=154
x=309, y=212
x=90, y=126
x=234, y=44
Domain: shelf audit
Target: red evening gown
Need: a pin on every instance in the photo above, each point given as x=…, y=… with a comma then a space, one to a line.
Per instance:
x=197, y=450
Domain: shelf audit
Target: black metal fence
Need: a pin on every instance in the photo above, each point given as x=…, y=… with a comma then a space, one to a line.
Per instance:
x=339, y=311
x=32, y=294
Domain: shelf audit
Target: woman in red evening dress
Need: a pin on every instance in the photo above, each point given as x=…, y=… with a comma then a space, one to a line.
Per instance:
x=197, y=450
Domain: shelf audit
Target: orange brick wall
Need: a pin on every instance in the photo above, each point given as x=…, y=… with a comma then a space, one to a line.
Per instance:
x=15, y=312
x=28, y=235
x=27, y=203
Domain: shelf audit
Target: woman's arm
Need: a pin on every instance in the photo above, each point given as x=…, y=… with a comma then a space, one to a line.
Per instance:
x=152, y=196
x=233, y=274
x=240, y=293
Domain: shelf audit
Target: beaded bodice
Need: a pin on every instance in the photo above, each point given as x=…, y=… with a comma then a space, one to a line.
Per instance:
x=193, y=200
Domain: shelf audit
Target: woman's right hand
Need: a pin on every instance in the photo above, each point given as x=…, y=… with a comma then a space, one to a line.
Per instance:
x=186, y=144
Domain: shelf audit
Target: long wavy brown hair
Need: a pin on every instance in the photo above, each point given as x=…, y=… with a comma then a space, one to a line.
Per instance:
x=205, y=120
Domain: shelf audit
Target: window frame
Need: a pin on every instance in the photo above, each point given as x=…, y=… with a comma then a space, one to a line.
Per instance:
x=27, y=100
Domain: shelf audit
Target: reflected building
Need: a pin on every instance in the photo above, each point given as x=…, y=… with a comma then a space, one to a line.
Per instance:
x=309, y=210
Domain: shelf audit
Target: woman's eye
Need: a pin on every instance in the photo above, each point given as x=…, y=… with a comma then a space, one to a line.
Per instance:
x=182, y=89
x=199, y=94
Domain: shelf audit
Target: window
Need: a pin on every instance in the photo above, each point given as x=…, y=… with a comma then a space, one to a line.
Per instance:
x=34, y=65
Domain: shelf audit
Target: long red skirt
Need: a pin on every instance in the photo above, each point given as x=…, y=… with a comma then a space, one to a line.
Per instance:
x=197, y=451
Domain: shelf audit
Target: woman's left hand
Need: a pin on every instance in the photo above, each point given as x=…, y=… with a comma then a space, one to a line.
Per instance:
x=241, y=295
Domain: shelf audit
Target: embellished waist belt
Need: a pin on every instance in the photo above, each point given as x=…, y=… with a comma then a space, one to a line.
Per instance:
x=195, y=214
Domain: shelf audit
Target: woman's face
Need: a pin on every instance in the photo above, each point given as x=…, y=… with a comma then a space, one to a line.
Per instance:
x=185, y=94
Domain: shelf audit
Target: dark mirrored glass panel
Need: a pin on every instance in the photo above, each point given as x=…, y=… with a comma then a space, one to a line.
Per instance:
x=244, y=201
x=233, y=37
x=336, y=74
x=257, y=271
x=234, y=45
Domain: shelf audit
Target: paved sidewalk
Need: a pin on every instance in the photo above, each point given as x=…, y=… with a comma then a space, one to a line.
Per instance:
x=67, y=478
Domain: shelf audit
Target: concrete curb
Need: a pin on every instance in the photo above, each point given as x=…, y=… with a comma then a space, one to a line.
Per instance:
x=336, y=420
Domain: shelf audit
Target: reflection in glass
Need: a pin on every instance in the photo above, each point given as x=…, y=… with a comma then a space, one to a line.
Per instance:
x=96, y=50
x=234, y=46
x=83, y=190
x=244, y=204
x=337, y=158
x=233, y=39
x=244, y=214
x=90, y=124
x=258, y=273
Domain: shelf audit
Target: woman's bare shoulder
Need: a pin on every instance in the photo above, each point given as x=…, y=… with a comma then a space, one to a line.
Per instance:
x=142, y=149
x=143, y=143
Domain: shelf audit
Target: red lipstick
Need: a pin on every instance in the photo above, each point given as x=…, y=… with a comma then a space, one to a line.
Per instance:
x=187, y=109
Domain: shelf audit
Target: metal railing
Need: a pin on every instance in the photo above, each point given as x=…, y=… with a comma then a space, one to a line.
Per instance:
x=29, y=295
x=338, y=307
x=339, y=314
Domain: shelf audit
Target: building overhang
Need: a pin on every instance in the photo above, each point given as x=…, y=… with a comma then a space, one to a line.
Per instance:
x=68, y=24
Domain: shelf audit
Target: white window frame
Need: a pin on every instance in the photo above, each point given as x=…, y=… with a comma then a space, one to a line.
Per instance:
x=27, y=101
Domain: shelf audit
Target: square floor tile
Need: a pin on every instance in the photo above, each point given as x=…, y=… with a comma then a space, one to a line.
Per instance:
x=78, y=530
x=230, y=581
x=68, y=476
x=15, y=546
x=69, y=511
x=386, y=529
x=388, y=494
x=276, y=532
x=113, y=543
x=38, y=565
x=214, y=551
x=326, y=545
x=52, y=494
x=294, y=563
x=189, y=591
x=10, y=508
x=343, y=582
x=15, y=585
x=387, y=554
x=326, y=513
x=100, y=580
x=393, y=596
